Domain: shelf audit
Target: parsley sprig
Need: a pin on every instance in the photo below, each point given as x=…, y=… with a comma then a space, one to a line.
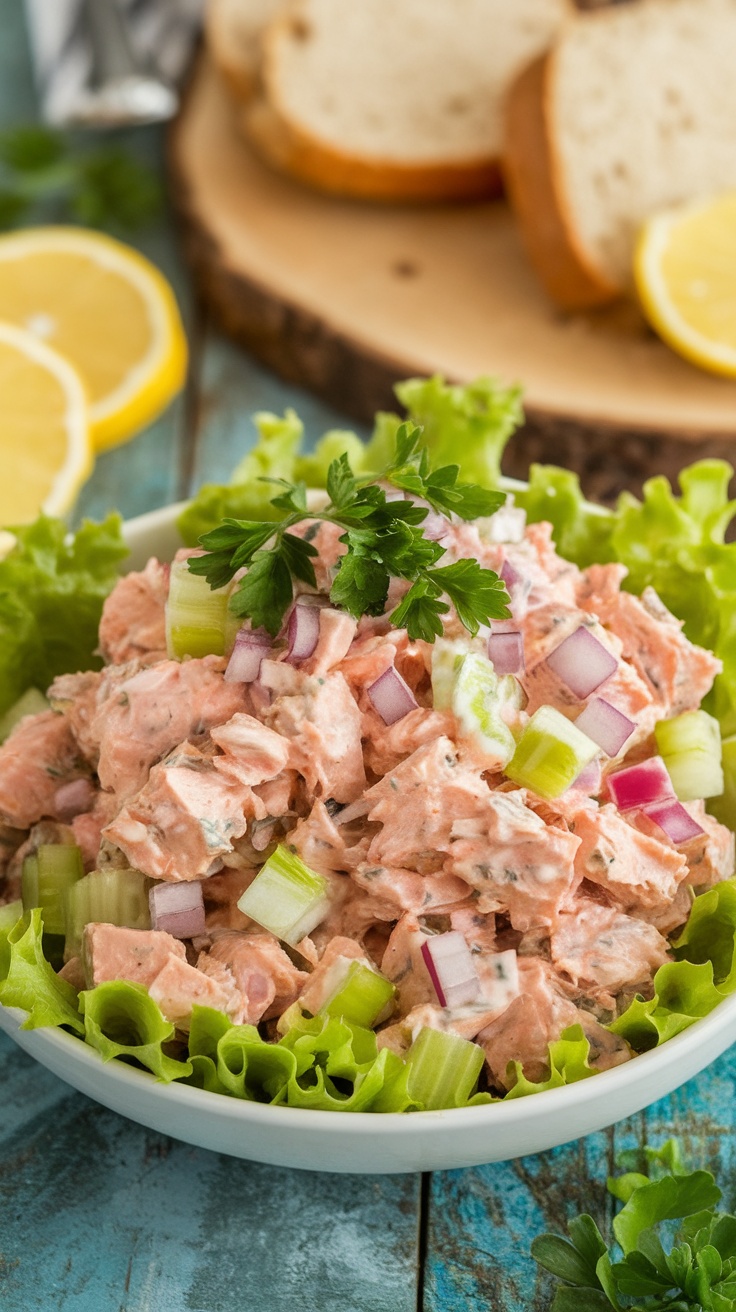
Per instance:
x=44, y=177
x=383, y=539
x=696, y=1271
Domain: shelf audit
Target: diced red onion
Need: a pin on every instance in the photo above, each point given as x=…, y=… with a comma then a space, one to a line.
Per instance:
x=178, y=909
x=607, y=726
x=517, y=587
x=251, y=647
x=262, y=833
x=451, y=968
x=392, y=696
x=507, y=525
x=303, y=632
x=506, y=651
x=582, y=662
x=641, y=785
x=676, y=822
x=73, y=799
x=589, y=779
x=435, y=526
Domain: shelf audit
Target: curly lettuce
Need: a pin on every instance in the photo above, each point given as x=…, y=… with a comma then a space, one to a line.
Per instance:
x=52, y=588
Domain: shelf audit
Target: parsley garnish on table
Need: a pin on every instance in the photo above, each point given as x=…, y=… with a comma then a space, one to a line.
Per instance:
x=653, y=1265
x=384, y=539
x=42, y=176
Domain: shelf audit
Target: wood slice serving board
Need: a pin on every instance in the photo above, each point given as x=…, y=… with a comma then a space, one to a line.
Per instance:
x=347, y=297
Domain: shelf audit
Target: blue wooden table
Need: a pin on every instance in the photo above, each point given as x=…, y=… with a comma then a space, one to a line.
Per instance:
x=99, y=1215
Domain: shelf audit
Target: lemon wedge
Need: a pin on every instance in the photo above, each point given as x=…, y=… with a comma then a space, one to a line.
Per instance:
x=685, y=270
x=45, y=446
x=108, y=310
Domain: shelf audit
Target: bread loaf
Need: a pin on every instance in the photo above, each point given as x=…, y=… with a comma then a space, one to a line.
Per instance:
x=394, y=99
x=632, y=110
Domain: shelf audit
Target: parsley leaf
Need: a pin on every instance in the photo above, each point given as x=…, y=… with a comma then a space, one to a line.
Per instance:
x=383, y=540
x=43, y=176
x=699, y=1271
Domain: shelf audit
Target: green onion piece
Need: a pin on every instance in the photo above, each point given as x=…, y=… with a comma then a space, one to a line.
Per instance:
x=286, y=897
x=362, y=996
x=110, y=897
x=443, y=1069
x=690, y=746
x=32, y=702
x=46, y=880
x=10, y=914
x=477, y=696
x=198, y=621
x=550, y=754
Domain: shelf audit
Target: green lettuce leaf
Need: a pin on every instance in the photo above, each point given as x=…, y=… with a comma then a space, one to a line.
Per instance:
x=338, y=1065
x=122, y=1020
x=244, y=497
x=703, y=975
x=52, y=587
x=568, y=1063
x=466, y=425
x=581, y=534
x=29, y=982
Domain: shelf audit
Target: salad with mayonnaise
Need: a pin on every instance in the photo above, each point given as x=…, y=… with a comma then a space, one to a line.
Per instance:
x=385, y=802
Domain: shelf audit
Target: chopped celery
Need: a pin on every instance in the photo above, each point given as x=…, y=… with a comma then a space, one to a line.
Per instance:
x=361, y=996
x=724, y=806
x=286, y=897
x=466, y=682
x=10, y=914
x=31, y=703
x=550, y=754
x=198, y=620
x=443, y=1069
x=447, y=657
x=690, y=746
x=114, y=897
x=695, y=731
x=47, y=877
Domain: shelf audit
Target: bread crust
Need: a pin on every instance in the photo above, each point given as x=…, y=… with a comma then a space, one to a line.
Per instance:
x=533, y=179
x=284, y=146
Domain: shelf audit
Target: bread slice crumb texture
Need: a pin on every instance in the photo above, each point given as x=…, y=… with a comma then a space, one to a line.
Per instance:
x=643, y=106
x=405, y=81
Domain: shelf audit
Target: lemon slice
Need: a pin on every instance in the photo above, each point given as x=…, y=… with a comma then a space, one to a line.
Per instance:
x=45, y=447
x=685, y=269
x=108, y=310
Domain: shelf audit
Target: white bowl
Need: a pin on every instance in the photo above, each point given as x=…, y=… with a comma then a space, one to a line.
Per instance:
x=361, y=1142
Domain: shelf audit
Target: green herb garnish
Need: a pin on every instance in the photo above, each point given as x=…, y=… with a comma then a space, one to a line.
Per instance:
x=384, y=540
x=42, y=176
x=651, y=1265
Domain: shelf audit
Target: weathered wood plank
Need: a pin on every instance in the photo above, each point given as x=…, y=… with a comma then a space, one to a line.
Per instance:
x=232, y=386
x=481, y=1222
x=100, y=1215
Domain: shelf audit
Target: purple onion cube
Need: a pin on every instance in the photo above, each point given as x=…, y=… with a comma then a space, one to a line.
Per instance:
x=676, y=822
x=582, y=662
x=641, y=785
x=607, y=726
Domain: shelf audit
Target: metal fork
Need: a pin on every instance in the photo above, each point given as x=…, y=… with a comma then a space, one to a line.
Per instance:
x=122, y=90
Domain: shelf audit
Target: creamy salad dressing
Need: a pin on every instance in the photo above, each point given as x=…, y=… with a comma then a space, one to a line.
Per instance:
x=564, y=904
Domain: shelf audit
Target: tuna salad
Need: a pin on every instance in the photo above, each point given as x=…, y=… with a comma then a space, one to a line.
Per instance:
x=462, y=846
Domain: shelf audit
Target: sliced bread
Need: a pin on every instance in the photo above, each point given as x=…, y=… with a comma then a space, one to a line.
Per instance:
x=631, y=111
x=233, y=34
x=395, y=99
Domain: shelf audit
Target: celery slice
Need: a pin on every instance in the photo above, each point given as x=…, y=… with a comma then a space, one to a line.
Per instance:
x=46, y=880
x=447, y=657
x=690, y=746
x=550, y=754
x=10, y=914
x=198, y=620
x=362, y=995
x=286, y=897
x=31, y=703
x=112, y=897
x=443, y=1069
x=466, y=683
x=723, y=807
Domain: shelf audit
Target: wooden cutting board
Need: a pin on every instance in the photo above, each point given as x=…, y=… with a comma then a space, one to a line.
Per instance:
x=346, y=298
